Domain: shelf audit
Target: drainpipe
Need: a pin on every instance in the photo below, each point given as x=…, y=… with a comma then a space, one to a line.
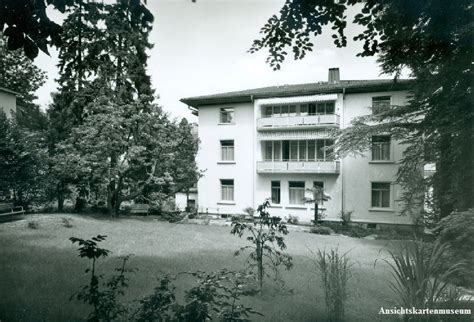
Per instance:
x=254, y=165
x=342, y=160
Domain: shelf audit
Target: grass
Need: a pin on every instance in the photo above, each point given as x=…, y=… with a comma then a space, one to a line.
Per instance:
x=40, y=268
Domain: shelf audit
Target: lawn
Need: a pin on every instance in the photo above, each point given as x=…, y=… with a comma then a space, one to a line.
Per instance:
x=40, y=268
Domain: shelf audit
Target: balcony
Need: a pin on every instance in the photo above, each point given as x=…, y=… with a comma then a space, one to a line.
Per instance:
x=330, y=167
x=297, y=122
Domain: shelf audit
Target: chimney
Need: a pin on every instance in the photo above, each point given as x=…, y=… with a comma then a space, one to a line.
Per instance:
x=333, y=76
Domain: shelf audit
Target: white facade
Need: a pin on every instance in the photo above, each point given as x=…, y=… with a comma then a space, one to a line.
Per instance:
x=357, y=184
x=7, y=102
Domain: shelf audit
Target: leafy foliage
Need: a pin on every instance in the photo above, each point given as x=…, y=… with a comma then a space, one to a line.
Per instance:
x=321, y=230
x=22, y=155
x=217, y=295
x=104, y=299
x=457, y=231
x=266, y=235
x=217, y=292
x=29, y=27
x=335, y=272
x=19, y=74
x=418, y=277
x=433, y=40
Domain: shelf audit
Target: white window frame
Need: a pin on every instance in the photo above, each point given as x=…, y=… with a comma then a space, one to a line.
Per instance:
x=226, y=150
x=379, y=147
x=226, y=110
x=301, y=190
x=279, y=191
x=227, y=190
x=380, y=205
x=380, y=96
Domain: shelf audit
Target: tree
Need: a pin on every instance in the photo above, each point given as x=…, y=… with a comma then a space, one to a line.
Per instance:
x=263, y=233
x=103, y=52
x=22, y=156
x=27, y=25
x=433, y=40
x=19, y=74
x=129, y=150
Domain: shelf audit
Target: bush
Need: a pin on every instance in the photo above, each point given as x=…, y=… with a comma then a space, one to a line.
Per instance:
x=335, y=272
x=293, y=220
x=33, y=224
x=266, y=234
x=457, y=231
x=419, y=280
x=321, y=230
x=66, y=222
x=346, y=217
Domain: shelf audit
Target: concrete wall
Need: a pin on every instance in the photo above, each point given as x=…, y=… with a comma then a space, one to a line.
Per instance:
x=350, y=190
x=357, y=173
x=7, y=103
x=242, y=131
x=305, y=213
x=181, y=199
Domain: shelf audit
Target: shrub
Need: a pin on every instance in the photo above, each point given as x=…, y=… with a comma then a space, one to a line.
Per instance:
x=103, y=298
x=346, y=217
x=457, y=230
x=266, y=235
x=335, y=272
x=67, y=222
x=160, y=305
x=33, y=224
x=293, y=220
x=217, y=296
x=419, y=280
x=321, y=230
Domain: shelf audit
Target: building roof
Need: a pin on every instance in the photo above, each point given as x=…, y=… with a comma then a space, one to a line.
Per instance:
x=6, y=90
x=343, y=86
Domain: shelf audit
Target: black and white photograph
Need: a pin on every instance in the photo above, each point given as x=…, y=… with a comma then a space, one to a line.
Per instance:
x=236, y=160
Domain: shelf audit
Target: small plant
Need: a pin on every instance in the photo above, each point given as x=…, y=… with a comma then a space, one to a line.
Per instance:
x=249, y=211
x=293, y=220
x=266, y=234
x=103, y=299
x=159, y=306
x=321, y=230
x=335, y=272
x=419, y=280
x=67, y=222
x=346, y=217
x=33, y=224
x=217, y=292
x=217, y=296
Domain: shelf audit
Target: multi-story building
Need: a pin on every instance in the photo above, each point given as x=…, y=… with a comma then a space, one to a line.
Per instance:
x=7, y=101
x=276, y=143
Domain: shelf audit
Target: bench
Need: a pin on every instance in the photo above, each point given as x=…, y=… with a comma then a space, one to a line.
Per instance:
x=7, y=209
x=139, y=208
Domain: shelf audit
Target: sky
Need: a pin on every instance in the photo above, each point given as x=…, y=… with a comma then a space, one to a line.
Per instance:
x=201, y=48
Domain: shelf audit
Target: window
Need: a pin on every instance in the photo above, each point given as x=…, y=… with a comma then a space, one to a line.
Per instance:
x=381, y=148
x=380, y=194
x=268, y=111
x=227, y=115
x=227, y=150
x=380, y=104
x=227, y=189
x=319, y=191
x=276, y=192
x=296, y=192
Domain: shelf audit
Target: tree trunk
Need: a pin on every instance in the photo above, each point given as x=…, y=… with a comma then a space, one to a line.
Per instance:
x=316, y=214
x=60, y=195
x=260, y=264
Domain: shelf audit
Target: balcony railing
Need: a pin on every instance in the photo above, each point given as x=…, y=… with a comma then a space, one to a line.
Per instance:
x=298, y=167
x=322, y=120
